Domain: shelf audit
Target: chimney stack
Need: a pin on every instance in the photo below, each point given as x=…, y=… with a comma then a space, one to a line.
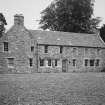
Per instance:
x=19, y=19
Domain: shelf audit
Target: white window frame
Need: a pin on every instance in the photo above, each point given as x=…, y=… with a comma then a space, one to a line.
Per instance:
x=8, y=63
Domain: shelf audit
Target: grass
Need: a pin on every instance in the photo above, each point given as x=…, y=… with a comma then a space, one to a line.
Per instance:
x=52, y=88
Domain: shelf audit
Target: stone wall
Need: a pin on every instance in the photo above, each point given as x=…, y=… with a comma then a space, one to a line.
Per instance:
x=20, y=49
x=70, y=53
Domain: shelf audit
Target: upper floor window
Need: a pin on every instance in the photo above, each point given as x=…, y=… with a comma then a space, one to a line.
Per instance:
x=75, y=51
x=98, y=51
x=46, y=49
x=86, y=62
x=86, y=51
x=61, y=49
x=56, y=62
x=41, y=62
x=10, y=62
x=31, y=62
x=32, y=48
x=5, y=46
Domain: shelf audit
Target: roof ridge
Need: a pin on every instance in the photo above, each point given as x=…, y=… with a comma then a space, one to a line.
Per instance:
x=64, y=32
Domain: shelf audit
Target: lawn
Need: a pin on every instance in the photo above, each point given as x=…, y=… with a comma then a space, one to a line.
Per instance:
x=52, y=89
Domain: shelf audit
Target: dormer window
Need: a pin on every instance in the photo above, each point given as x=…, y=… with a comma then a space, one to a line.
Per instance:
x=5, y=46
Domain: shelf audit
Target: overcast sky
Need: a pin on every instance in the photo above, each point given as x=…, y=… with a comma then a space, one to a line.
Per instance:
x=31, y=10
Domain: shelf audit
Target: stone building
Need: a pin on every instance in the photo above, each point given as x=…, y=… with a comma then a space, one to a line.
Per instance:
x=23, y=50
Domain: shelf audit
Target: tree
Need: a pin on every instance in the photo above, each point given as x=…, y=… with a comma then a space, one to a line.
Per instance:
x=102, y=32
x=69, y=16
x=2, y=23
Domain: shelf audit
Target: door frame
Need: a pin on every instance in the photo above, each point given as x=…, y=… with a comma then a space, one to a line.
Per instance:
x=64, y=65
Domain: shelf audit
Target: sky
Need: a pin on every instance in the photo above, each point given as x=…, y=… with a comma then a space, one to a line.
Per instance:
x=31, y=11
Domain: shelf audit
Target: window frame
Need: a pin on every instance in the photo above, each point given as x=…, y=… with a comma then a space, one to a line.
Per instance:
x=74, y=62
x=98, y=51
x=41, y=62
x=30, y=62
x=86, y=62
x=6, y=47
x=97, y=63
x=92, y=62
x=10, y=63
x=46, y=49
x=61, y=49
x=56, y=62
x=75, y=51
x=49, y=63
x=32, y=48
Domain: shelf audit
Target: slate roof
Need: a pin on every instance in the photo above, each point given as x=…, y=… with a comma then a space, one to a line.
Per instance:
x=67, y=38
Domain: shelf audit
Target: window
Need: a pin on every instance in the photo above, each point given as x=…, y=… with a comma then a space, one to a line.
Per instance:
x=56, y=62
x=86, y=62
x=46, y=49
x=5, y=46
x=49, y=62
x=92, y=62
x=41, y=62
x=74, y=62
x=61, y=49
x=98, y=51
x=97, y=62
x=31, y=62
x=86, y=51
x=32, y=48
x=75, y=51
x=10, y=62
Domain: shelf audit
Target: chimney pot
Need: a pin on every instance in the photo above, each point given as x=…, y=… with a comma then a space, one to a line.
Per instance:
x=18, y=19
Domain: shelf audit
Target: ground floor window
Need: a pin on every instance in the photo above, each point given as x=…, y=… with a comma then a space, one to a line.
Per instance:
x=56, y=62
x=74, y=62
x=97, y=62
x=10, y=62
x=41, y=62
x=49, y=62
x=91, y=62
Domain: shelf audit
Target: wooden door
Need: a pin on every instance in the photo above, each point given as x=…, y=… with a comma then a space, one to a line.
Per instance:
x=64, y=65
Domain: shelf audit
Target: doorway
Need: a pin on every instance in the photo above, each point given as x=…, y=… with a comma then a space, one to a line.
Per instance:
x=64, y=65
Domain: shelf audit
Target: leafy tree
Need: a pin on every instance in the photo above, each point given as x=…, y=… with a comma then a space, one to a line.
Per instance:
x=102, y=32
x=2, y=23
x=69, y=16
